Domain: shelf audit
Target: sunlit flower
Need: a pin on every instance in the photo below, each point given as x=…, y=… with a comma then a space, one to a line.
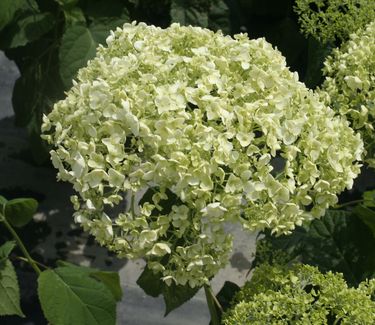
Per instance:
x=349, y=87
x=199, y=119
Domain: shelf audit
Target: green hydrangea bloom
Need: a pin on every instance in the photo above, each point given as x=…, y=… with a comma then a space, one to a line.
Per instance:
x=333, y=20
x=198, y=118
x=301, y=295
x=349, y=87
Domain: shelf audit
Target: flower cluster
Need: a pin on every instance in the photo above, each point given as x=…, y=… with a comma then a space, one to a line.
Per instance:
x=333, y=20
x=349, y=87
x=301, y=295
x=215, y=129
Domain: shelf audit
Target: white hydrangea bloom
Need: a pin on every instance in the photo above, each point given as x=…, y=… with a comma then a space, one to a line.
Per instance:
x=349, y=87
x=201, y=119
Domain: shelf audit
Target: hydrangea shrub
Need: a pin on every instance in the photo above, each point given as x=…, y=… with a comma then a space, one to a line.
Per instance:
x=333, y=20
x=199, y=119
x=301, y=295
x=349, y=86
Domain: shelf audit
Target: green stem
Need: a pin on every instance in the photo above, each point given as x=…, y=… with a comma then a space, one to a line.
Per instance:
x=21, y=258
x=132, y=205
x=21, y=245
x=212, y=303
x=339, y=206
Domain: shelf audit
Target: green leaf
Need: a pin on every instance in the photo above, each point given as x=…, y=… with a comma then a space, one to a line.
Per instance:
x=9, y=9
x=3, y=201
x=100, y=28
x=62, y=263
x=34, y=93
x=27, y=29
x=150, y=282
x=38, y=87
x=279, y=250
x=226, y=294
x=189, y=13
x=88, y=301
x=72, y=13
x=174, y=295
x=339, y=242
x=110, y=279
x=5, y=250
x=25, y=96
x=67, y=3
x=225, y=297
x=218, y=18
x=20, y=211
x=79, y=42
x=367, y=216
x=73, y=16
x=9, y=291
x=369, y=199
x=77, y=47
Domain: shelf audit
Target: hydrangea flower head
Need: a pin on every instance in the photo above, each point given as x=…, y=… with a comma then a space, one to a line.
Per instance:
x=333, y=20
x=301, y=295
x=349, y=87
x=200, y=120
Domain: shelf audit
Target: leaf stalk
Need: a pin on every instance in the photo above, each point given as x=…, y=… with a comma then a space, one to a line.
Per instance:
x=213, y=305
x=20, y=244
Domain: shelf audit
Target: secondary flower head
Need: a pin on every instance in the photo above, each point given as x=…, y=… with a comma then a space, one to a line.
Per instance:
x=333, y=20
x=349, y=87
x=201, y=120
x=301, y=295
